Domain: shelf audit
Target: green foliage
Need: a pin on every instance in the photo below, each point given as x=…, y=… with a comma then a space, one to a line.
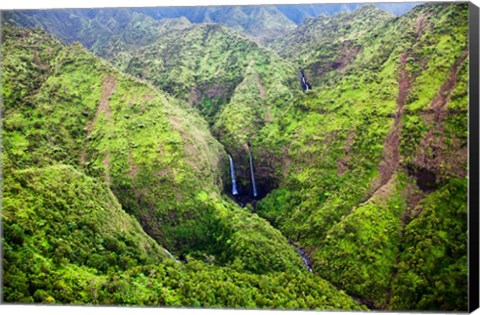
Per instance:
x=358, y=253
x=24, y=71
x=106, y=32
x=204, y=64
x=67, y=238
x=333, y=139
x=432, y=269
x=247, y=242
x=88, y=115
x=343, y=163
x=62, y=246
x=319, y=38
x=55, y=218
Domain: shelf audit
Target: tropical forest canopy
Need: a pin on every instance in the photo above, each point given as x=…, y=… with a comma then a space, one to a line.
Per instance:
x=303, y=157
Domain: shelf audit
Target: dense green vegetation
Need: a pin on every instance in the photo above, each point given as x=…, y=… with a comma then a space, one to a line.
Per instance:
x=107, y=166
x=57, y=220
x=127, y=29
x=433, y=262
x=204, y=64
x=383, y=115
x=237, y=85
x=62, y=246
x=83, y=144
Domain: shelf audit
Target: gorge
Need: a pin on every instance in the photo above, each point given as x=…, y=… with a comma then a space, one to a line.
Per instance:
x=130, y=132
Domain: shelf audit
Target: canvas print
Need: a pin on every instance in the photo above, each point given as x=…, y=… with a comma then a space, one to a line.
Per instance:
x=299, y=157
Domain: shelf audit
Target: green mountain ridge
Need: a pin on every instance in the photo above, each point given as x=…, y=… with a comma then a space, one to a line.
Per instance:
x=366, y=172
x=102, y=32
x=330, y=197
x=261, y=23
x=108, y=31
x=85, y=113
x=52, y=215
x=237, y=85
x=330, y=43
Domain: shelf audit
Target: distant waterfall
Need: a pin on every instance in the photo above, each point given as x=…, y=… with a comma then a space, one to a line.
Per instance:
x=303, y=82
x=232, y=173
x=170, y=254
x=252, y=174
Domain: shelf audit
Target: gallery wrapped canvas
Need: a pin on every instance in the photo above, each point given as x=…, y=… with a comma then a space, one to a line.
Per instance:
x=298, y=157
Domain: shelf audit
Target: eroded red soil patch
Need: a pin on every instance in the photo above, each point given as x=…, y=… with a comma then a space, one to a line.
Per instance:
x=433, y=153
x=346, y=54
x=108, y=88
x=391, y=146
x=261, y=88
x=109, y=84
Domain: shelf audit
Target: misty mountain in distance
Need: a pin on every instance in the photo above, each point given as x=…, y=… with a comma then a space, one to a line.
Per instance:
x=261, y=23
x=299, y=12
x=294, y=12
x=171, y=160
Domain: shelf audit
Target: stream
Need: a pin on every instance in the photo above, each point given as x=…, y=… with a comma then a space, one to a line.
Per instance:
x=305, y=258
x=242, y=202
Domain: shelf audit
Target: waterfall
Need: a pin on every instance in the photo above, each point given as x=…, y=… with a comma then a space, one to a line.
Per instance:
x=303, y=82
x=170, y=254
x=232, y=173
x=252, y=174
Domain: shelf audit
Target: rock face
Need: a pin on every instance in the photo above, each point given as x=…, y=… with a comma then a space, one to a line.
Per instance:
x=101, y=171
x=373, y=151
x=365, y=171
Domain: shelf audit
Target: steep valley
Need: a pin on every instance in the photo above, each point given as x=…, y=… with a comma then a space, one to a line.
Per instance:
x=110, y=165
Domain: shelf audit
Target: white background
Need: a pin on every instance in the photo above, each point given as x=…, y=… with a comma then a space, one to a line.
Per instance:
x=75, y=310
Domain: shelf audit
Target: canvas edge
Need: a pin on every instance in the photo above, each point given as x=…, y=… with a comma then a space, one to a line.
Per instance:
x=473, y=279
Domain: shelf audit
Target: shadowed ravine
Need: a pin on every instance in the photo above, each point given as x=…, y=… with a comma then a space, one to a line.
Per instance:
x=325, y=169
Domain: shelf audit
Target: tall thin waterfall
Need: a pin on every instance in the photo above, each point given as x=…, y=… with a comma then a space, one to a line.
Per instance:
x=252, y=174
x=232, y=173
x=303, y=82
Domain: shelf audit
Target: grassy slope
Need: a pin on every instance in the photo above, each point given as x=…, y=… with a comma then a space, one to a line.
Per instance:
x=67, y=240
x=346, y=146
x=362, y=161
x=432, y=265
x=260, y=23
x=119, y=132
x=58, y=224
x=238, y=86
x=109, y=31
x=202, y=64
x=317, y=43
